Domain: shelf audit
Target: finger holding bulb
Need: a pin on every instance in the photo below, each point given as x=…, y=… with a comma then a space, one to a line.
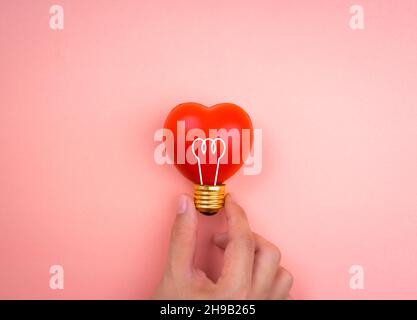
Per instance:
x=251, y=268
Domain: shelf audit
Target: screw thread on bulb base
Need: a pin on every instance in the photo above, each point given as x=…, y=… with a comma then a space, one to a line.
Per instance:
x=209, y=199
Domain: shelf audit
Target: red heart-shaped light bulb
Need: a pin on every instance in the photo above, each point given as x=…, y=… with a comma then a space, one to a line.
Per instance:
x=188, y=119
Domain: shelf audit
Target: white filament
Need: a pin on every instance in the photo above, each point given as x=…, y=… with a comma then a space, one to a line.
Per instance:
x=213, y=148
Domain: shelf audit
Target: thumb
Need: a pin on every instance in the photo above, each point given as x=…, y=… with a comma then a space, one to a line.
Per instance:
x=183, y=236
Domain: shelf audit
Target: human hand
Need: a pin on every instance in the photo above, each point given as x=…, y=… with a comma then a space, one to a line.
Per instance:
x=251, y=267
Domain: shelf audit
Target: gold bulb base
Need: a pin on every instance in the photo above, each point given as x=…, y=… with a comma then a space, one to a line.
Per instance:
x=209, y=199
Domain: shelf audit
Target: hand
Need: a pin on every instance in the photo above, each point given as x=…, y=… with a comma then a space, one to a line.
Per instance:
x=251, y=267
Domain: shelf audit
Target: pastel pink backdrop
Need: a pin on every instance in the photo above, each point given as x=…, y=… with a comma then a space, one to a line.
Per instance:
x=78, y=109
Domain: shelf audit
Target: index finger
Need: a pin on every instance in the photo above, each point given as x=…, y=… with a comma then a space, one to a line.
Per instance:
x=240, y=250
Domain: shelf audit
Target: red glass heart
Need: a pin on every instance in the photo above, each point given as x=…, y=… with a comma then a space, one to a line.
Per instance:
x=226, y=116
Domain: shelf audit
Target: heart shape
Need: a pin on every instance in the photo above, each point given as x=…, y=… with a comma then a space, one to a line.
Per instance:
x=189, y=121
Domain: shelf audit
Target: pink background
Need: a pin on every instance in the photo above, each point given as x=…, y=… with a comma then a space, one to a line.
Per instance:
x=78, y=109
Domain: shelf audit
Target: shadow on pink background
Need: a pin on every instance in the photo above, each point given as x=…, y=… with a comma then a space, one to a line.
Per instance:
x=78, y=109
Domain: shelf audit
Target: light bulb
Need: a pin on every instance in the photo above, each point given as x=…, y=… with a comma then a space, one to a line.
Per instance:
x=209, y=198
x=209, y=147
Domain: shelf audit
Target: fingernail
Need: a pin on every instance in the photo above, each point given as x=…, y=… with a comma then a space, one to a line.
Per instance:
x=231, y=197
x=182, y=204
